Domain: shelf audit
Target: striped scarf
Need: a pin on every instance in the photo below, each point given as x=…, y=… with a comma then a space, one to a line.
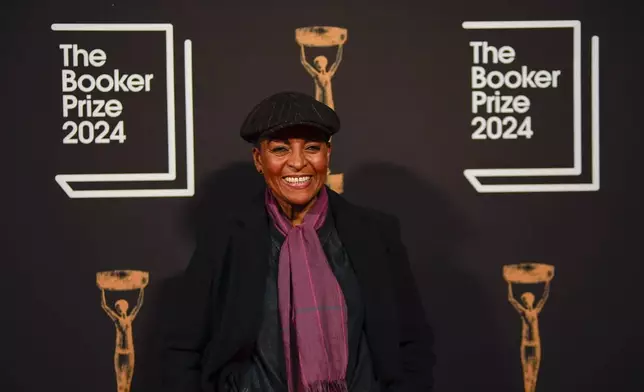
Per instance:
x=312, y=309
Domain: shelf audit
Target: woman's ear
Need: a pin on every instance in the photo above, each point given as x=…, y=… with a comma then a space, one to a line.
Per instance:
x=257, y=158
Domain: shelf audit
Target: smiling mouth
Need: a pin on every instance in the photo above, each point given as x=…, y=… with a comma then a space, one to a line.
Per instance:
x=297, y=181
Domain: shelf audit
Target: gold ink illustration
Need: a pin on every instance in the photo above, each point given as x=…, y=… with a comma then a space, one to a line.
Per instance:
x=529, y=273
x=320, y=37
x=123, y=280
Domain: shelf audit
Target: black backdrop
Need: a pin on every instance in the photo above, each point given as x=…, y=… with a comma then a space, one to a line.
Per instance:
x=404, y=95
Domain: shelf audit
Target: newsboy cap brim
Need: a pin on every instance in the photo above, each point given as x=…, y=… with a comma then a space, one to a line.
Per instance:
x=288, y=109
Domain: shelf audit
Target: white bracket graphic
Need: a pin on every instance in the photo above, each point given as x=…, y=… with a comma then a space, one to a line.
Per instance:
x=473, y=175
x=64, y=180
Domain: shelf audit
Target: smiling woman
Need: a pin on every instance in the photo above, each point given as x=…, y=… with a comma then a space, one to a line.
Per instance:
x=300, y=290
x=295, y=162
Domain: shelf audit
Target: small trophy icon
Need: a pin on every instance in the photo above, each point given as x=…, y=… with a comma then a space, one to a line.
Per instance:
x=323, y=36
x=123, y=280
x=529, y=273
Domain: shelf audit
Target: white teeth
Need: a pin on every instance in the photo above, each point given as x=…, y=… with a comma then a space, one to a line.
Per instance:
x=297, y=180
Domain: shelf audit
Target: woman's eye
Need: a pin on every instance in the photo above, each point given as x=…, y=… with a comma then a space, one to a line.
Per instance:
x=313, y=148
x=279, y=149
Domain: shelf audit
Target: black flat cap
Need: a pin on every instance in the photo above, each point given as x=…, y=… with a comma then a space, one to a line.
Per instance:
x=287, y=109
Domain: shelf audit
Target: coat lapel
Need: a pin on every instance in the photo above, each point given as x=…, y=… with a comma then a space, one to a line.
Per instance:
x=368, y=255
x=248, y=268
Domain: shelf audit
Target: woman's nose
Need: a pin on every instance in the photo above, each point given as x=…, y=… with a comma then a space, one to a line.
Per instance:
x=297, y=160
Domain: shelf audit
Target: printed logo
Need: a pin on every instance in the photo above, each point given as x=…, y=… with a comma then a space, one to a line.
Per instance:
x=93, y=96
x=504, y=88
x=532, y=274
x=121, y=281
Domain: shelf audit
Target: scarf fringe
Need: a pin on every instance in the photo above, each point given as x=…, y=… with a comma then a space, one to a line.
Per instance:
x=327, y=386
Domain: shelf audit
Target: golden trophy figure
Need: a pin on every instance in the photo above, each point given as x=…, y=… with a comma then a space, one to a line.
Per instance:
x=320, y=37
x=124, y=353
x=529, y=273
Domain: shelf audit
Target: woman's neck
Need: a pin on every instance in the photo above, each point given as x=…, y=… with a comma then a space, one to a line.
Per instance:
x=296, y=213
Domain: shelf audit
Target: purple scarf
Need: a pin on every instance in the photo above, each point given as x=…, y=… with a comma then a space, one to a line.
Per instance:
x=311, y=304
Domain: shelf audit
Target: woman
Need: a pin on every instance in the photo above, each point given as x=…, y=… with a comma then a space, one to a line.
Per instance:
x=300, y=290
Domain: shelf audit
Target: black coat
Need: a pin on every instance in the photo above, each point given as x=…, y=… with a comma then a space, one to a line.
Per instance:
x=219, y=310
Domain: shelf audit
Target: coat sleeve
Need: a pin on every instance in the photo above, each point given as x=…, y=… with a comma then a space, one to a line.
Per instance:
x=190, y=317
x=416, y=338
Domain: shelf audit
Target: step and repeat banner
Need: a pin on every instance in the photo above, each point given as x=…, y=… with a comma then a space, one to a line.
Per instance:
x=504, y=136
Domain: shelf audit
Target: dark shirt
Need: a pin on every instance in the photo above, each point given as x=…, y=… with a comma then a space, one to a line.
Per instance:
x=267, y=371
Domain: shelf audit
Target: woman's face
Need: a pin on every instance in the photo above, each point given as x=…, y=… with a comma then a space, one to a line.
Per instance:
x=295, y=163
